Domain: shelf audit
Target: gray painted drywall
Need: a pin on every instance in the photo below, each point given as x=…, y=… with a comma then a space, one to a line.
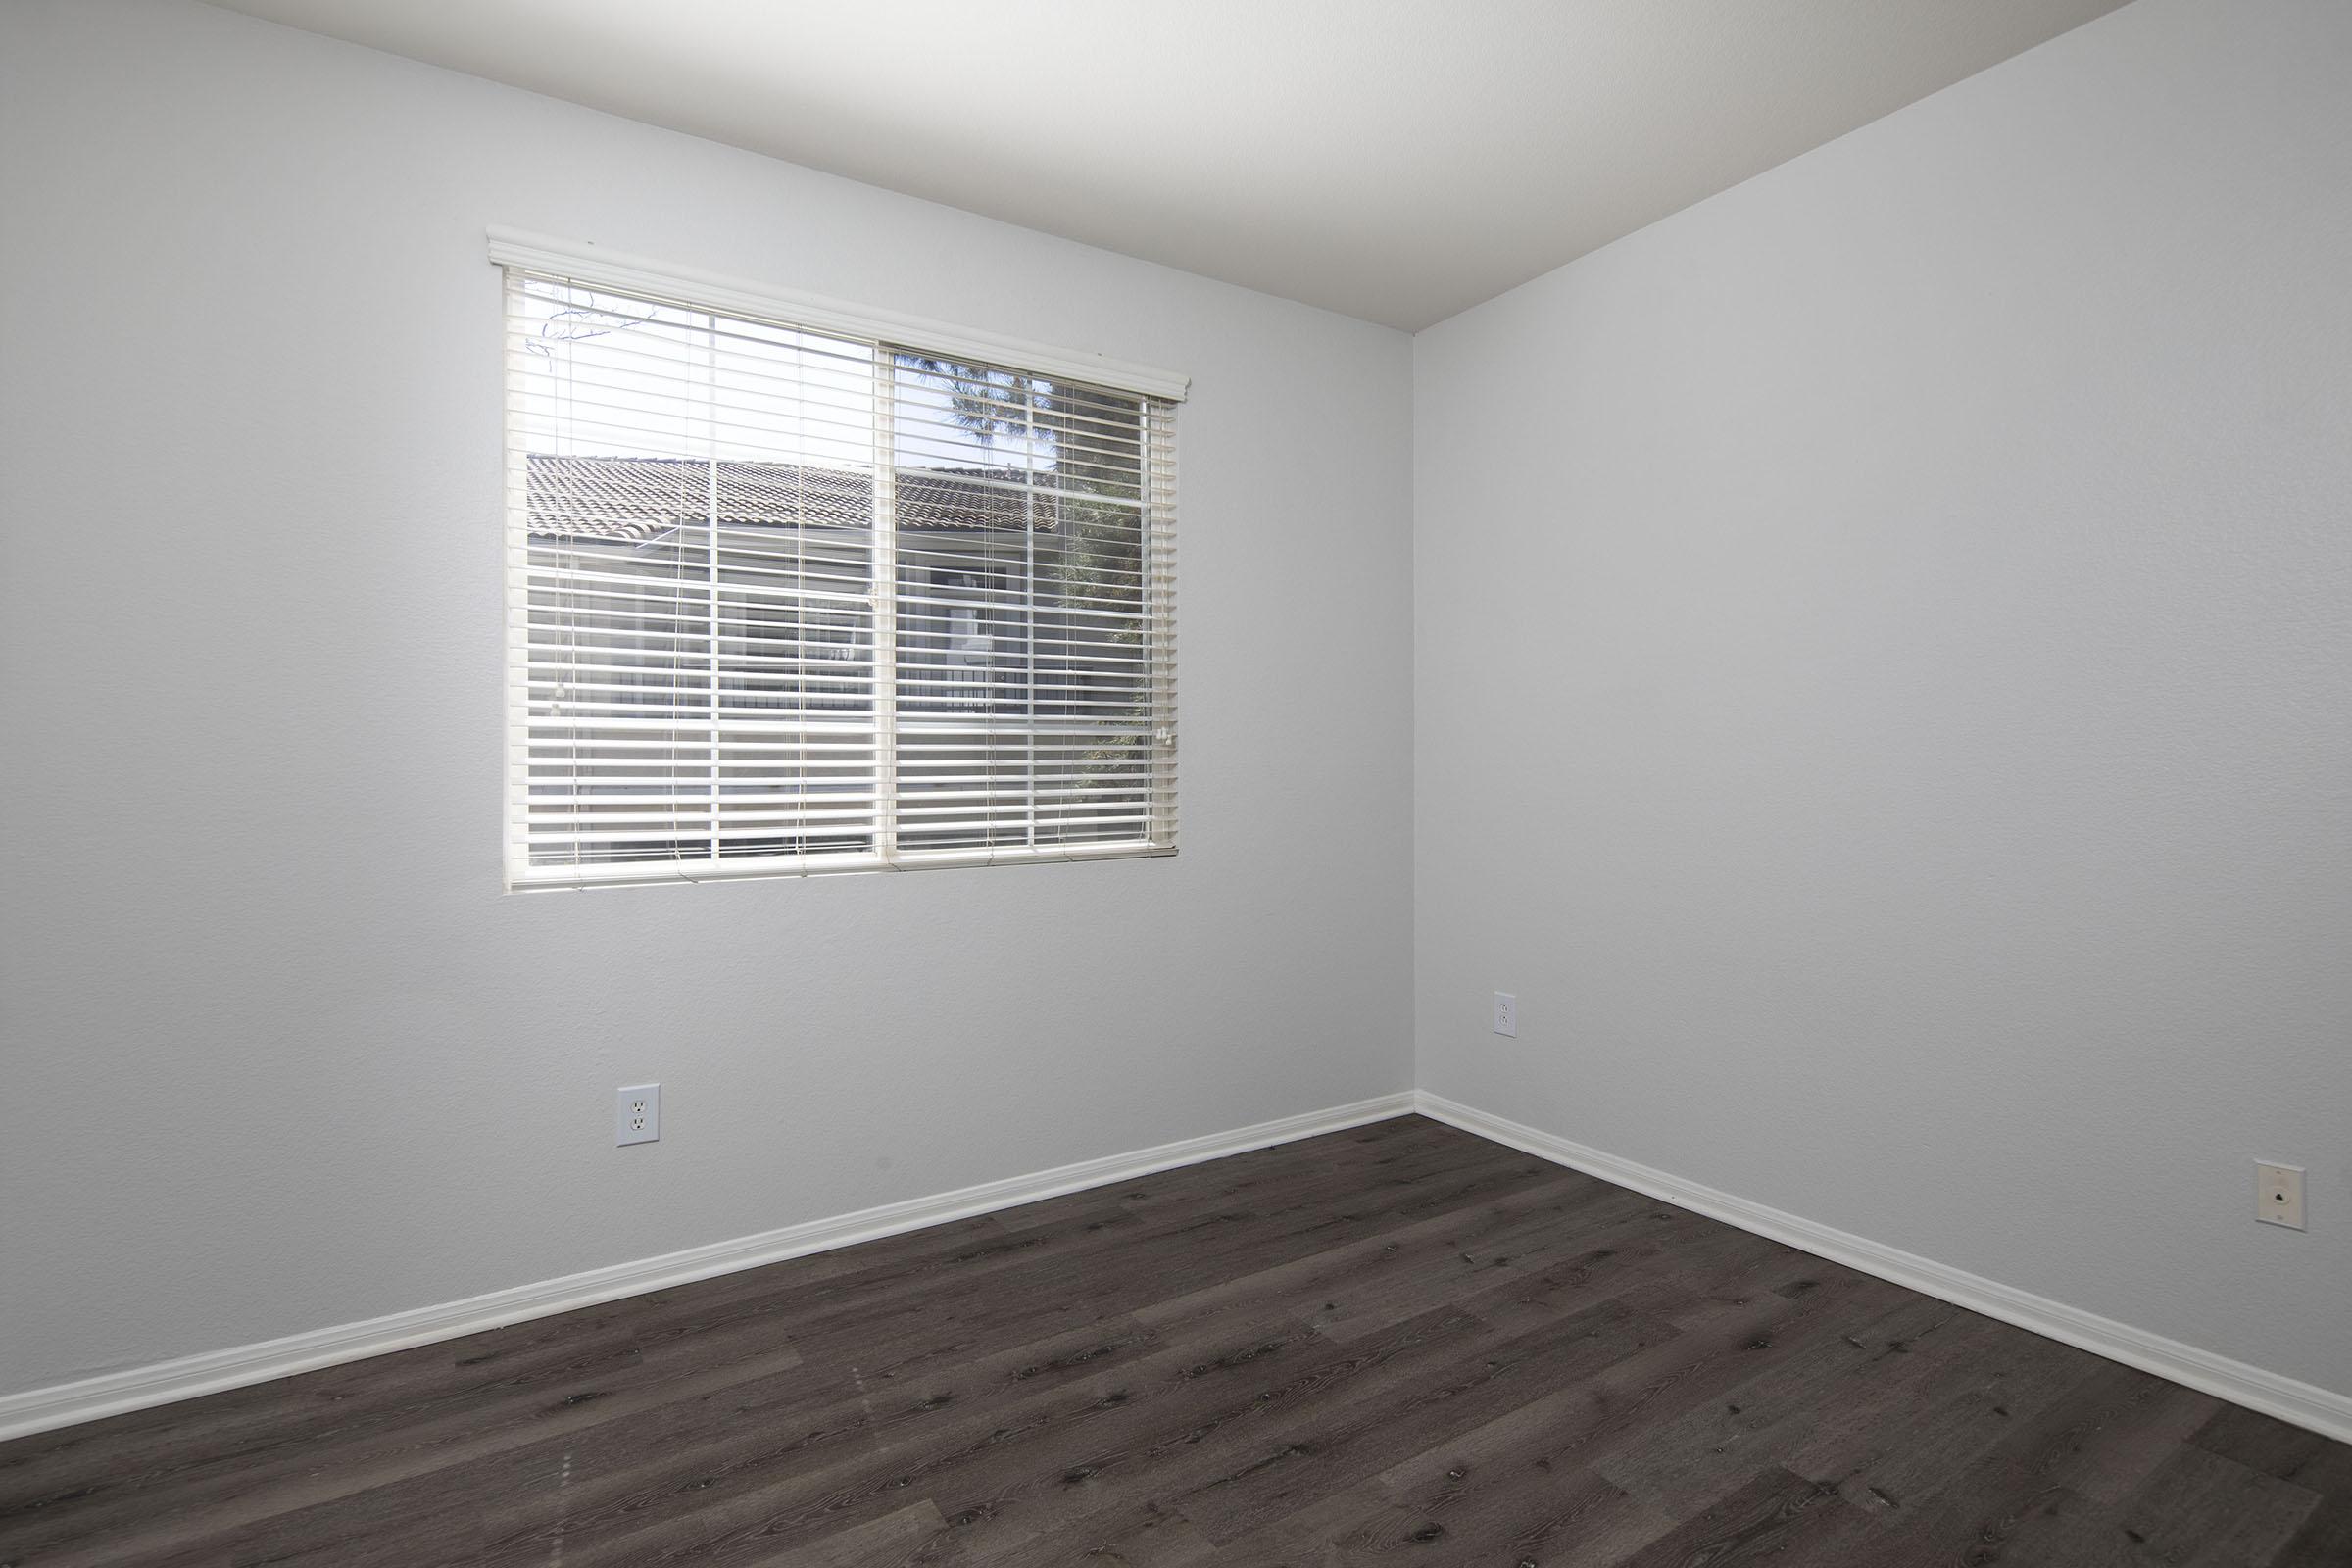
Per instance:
x=1883, y=685
x=279, y=1053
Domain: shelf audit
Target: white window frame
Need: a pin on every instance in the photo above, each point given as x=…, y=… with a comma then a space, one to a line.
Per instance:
x=596, y=268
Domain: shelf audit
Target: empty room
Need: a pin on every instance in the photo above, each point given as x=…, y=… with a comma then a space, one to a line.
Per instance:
x=1235, y=784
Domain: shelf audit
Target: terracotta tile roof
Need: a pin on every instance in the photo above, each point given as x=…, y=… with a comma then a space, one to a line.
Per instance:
x=640, y=498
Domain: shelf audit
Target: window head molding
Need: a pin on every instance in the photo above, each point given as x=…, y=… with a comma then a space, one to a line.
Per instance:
x=645, y=278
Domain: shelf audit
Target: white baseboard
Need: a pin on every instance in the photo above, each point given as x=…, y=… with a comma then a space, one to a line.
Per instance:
x=138, y=1388
x=2305, y=1404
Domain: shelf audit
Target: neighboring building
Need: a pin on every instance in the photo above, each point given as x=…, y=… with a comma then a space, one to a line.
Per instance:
x=1021, y=623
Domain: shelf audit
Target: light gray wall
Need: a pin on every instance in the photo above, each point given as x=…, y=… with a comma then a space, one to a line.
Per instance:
x=1883, y=685
x=277, y=1052
x=1881, y=691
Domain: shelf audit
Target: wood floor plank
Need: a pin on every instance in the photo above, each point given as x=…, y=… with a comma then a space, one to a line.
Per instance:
x=803, y=1473
x=2000, y=1513
x=889, y=1542
x=2201, y=1510
x=2109, y=1432
x=1356, y=1288
x=944, y=1320
x=2308, y=1460
x=1135, y=1534
x=313, y=1492
x=1887, y=1458
x=1391, y=1346
x=379, y=1444
x=1161, y=1448
x=1775, y=1515
x=1575, y=1425
x=1311, y=1455
x=2326, y=1539
x=1561, y=1517
x=1681, y=1465
x=1350, y=1528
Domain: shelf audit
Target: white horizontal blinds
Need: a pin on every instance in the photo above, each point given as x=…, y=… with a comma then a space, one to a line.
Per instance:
x=1026, y=647
x=692, y=572
x=710, y=673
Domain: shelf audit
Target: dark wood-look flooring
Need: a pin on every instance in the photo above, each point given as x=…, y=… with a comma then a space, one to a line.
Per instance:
x=1395, y=1346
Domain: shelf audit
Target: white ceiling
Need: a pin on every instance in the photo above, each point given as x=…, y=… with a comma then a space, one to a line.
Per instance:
x=1398, y=160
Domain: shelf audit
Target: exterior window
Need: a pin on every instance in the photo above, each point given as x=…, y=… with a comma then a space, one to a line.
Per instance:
x=785, y=600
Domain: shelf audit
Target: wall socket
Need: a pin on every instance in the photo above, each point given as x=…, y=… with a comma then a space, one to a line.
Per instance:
x=2279, y=1196
x=637, y=1114
x=1507, y=1015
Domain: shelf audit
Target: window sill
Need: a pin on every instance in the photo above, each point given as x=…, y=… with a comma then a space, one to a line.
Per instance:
x=654, y=872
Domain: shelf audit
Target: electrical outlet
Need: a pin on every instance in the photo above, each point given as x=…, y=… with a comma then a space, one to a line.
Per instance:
x=1507, y=1015
x=2279, y=1196
x=637, y=1114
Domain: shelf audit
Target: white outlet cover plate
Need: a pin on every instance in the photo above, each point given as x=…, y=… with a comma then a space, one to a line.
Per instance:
x=2279, y=1196
x=637, y=1114
x=1507, y=1015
